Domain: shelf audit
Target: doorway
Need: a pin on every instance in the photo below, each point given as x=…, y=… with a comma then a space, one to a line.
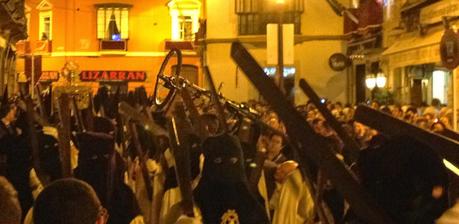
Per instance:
x=360, y=87
x=416, y=92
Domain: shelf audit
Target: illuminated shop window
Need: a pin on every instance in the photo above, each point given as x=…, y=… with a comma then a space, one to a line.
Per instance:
x=113, y=21
x=185, y=18
x=45, y=28
x=439, y=85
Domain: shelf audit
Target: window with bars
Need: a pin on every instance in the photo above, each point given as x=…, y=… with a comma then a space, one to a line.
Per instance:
x=45, y=15
x=45, y=26
x=186, y=27
x=185, y=19
x=113, y=21
x=254, y=15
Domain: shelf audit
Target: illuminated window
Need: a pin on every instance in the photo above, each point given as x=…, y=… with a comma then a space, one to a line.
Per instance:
x=439, y=87
x=45, y=28
x=186, y=27
x=185, y=18
x=113, y=21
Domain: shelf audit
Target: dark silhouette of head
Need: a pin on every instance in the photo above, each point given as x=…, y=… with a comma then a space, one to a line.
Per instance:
x=68, y=201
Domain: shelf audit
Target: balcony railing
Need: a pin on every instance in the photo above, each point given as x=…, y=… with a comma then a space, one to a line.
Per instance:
x=179, y=44
x=23, y=47
x=43, y=46
x=113, y=45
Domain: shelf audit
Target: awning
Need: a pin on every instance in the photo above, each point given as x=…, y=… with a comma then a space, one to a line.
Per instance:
x=414, y=50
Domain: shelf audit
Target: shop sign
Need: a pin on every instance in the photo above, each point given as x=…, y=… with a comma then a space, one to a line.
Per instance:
x=108, y=76
x=49, y=76
x=449, y=49
x=435, y=12
x=338, y=62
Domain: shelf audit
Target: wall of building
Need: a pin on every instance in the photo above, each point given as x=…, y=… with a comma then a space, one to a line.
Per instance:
x=222, y=23
x=74, y=33
x=311, y=58
x=74, y=24
x=74, y=38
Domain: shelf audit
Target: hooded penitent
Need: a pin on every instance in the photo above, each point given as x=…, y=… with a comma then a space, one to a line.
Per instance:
x=223, y=193
x=102, y=168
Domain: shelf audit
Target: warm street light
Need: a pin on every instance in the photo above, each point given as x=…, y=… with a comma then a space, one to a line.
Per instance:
x=370, y=81
x=280, y=1
x=381, y=80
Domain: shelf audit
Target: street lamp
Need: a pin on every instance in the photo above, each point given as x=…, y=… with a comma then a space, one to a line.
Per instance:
x=370, y=81
x=381, y=80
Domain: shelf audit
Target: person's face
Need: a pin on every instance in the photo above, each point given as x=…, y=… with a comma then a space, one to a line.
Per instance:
x=445, y=121
x=323, y=129
x=374, y=105
x=397, y=113
x=428, y=117
x=437, y=128
x=338, y=107
x=422, y=124
x=212, y=127
x=359, y=130
x=318, y=127
x=408, y=117
x=311, y=115
x=275, y=145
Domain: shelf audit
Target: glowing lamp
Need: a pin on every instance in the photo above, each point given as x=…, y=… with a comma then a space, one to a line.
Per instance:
x=370, y=81
x=381, y=80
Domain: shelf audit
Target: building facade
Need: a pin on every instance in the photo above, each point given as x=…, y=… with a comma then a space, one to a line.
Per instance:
x=119, y=43
x=417, y=36
x=364, y=45
x=317, y=35
x=104, y=37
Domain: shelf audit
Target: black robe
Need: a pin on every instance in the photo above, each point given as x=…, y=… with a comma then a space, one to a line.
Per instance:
x=15, y=148
x=223, y=193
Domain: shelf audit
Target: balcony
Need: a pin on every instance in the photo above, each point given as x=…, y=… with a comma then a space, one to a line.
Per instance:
x=179, y=44
x=113, y=46
x=23, y=47
x=43, y=47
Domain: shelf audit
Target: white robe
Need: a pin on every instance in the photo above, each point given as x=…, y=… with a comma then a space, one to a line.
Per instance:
x=292, y=201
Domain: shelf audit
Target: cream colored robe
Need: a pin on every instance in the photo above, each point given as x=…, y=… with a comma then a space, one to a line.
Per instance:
x=292, y=201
